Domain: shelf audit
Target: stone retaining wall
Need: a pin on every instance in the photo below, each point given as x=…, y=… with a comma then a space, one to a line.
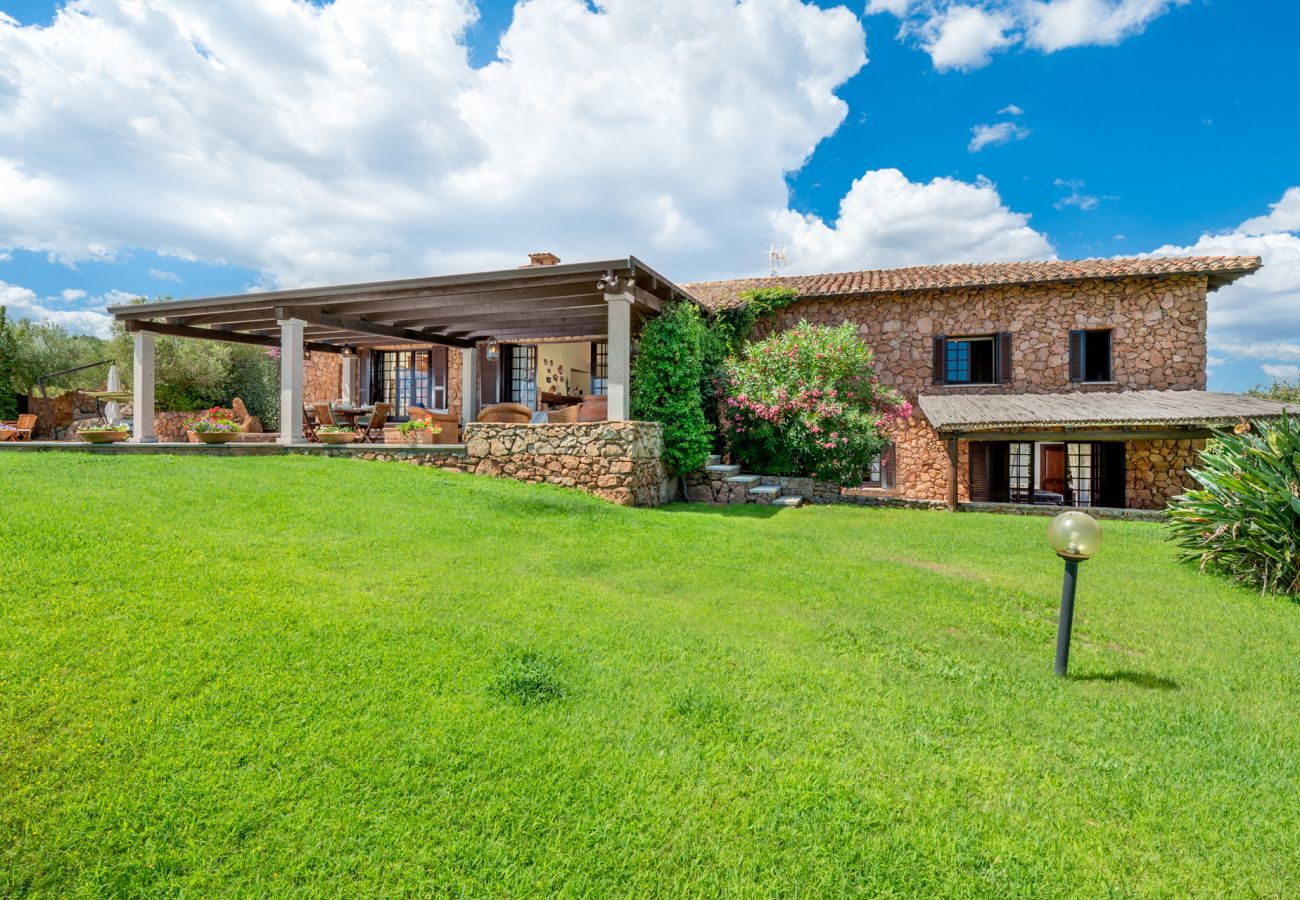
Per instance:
x=616, y=461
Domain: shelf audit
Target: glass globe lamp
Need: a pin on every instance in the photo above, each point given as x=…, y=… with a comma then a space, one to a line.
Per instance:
x=1074, y=535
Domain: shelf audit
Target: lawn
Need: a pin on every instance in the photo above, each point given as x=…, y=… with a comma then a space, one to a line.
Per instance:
x=323, y=677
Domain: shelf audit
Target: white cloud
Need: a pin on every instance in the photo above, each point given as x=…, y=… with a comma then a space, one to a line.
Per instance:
x=354, y=140
x=1282, y=373
x=164, y=275
x=886, y=220
x=22, y=303
x=1011, y=110
x=965, y=37
x=1077, y=197
x=73, y=294
x=1059, y=24
x=982, y=136
x=1257, y=317
x=1284, y=215
x=964, y=34
x=896, y=7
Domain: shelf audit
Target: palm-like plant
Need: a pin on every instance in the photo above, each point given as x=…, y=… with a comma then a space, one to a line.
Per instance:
x=1244, y=520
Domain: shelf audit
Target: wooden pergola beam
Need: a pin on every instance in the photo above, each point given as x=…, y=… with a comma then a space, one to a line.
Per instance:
x=364, y=326
x=211, y=334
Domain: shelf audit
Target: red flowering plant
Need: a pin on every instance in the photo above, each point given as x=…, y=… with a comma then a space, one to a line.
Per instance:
x=807, y=402
x=213, y=421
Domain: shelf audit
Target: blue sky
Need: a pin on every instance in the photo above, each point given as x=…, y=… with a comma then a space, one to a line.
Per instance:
x=1168, y=134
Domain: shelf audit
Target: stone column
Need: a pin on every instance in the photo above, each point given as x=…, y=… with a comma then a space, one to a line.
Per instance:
x=142, y=387
x=468, y=384
x=620, y=356
x=292, y=360
x=349, y=380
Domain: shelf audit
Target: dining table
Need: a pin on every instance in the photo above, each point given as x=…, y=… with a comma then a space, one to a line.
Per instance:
x=348, y=415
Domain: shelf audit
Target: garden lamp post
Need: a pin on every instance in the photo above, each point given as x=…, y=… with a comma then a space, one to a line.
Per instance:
x=1075, y=536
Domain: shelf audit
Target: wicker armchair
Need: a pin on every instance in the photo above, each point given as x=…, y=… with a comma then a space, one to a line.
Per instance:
x=563, y=415
x=506, y=413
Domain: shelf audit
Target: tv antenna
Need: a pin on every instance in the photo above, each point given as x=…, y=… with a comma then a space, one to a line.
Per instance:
x=776, y=258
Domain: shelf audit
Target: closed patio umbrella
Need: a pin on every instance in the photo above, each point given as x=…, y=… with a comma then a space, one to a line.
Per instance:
x=111, y=409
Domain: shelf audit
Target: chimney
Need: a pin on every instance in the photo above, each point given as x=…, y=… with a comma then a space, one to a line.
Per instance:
x=545, y=258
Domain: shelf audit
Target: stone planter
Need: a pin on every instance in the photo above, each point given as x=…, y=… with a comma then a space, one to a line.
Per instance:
x=95, y=436
x=337, y=437
x=216, y=437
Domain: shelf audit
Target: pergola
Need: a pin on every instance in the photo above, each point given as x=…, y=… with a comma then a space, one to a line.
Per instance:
x=577, y=300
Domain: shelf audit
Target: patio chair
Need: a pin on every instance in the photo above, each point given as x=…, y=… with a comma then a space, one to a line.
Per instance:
x=372, y=430
x=324, y=415
x=563, y=415
x=507, y=413
x=23, y=430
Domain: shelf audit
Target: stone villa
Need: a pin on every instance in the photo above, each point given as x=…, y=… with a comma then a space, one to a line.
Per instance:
x=1055, y=383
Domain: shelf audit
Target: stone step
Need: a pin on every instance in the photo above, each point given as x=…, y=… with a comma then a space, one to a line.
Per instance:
x=764, y=490
x=714, y=460
x=790, y=501
x=744, y=479
x=722, y=470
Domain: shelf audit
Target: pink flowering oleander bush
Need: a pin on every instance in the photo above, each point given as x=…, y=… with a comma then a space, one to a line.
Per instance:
x=807, y=402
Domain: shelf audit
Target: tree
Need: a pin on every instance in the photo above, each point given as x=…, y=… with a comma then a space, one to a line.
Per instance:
x=1282, y=391
x=8, y=348
x=666, y=379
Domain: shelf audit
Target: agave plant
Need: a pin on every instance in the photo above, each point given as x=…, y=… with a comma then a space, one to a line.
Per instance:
x=1244, y=520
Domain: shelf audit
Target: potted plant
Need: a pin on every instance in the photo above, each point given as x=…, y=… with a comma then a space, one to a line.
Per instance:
x=214, y=427
x=336, y=434
x=105, y=434
x=416, y=431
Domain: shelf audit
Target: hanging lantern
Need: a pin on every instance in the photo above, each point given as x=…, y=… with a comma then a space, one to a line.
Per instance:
x=491, y=349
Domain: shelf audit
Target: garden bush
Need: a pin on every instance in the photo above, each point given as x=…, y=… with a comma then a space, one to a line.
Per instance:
x=1244, y=519
x=8, y=350
x=666, y=379
x=807, y=402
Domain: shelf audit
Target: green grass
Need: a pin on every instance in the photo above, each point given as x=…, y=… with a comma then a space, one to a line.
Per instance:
x=318, y=677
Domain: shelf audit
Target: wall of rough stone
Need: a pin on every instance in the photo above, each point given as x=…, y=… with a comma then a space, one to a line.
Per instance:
x=1156, y=471
x=322, y=377
x=1158, y=343
x=616, y=461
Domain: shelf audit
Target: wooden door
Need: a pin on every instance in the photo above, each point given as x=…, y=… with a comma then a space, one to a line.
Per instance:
x=1052, y=468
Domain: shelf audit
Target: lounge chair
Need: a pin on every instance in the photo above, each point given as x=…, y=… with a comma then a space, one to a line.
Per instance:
x=372, y=430
x=23, y=430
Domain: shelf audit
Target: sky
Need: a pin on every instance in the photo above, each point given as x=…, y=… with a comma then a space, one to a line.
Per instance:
x=174, y=148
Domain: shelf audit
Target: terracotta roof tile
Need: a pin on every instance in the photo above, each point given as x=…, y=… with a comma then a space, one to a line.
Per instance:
x=1220, y=269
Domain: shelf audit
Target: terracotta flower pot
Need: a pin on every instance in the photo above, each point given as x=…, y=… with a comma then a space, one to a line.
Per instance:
x=98, y=436
x=337, y=437
x=216, y=437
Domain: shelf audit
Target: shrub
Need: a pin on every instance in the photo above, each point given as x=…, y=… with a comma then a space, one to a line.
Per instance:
x=1244, y=519
x=735, y=326
x=666, y=379
x=806, y=402
x=8, y=351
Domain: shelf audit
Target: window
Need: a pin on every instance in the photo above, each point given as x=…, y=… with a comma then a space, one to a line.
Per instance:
x=599, y=368
x=882, y=469
x=1090, y=355
x=523, y=375
x=1079, y=473
x=970, y=361
x=1020, y=472
x=402, y=378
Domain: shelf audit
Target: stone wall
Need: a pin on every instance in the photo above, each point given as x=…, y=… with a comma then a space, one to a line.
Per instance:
x=322, y=377
x=1158, y=343
x=1156, y=471
x=616, y=461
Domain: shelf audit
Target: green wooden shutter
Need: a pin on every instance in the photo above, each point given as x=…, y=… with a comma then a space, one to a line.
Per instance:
x=1076, y=356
